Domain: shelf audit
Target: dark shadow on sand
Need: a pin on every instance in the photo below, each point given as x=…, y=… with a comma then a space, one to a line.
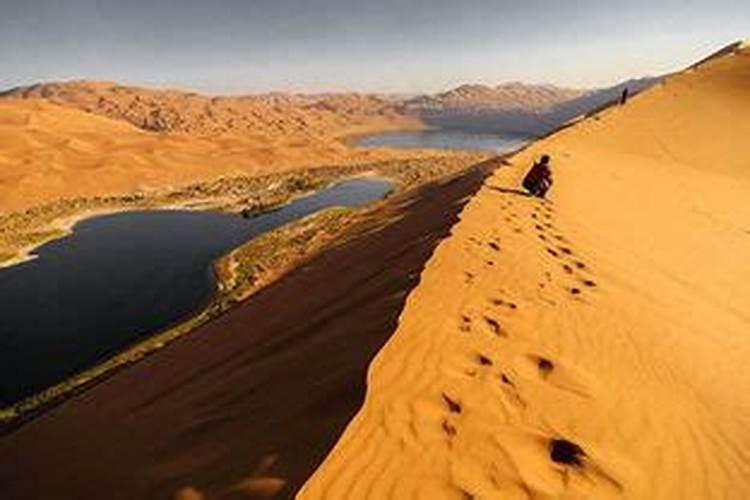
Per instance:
x=273, y=382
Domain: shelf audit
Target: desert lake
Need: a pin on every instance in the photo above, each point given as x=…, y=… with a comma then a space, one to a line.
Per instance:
x=445, y=139
x=119, y=278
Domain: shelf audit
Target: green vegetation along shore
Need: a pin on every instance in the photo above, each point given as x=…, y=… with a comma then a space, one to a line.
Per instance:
x=241, y=272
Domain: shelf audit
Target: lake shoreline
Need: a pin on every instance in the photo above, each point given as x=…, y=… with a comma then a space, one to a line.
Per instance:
x=226, y=294
x=442, y=139
x=258, y=360
x=227, y=291
x=23, y=232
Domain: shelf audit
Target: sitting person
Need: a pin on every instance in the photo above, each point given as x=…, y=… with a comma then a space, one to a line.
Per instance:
x=539, y=178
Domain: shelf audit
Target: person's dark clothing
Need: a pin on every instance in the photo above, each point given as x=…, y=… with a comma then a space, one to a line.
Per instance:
x=538, y=180
x=624, y=96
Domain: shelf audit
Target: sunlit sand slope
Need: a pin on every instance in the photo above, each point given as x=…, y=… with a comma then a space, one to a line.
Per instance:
x=50, y=151
x=593, y=346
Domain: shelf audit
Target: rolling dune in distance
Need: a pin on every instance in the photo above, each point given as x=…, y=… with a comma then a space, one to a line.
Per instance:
x=595, y=345
x=97, y=138
x=86, y=138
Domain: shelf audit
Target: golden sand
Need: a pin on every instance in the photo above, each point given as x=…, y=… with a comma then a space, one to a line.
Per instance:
x=593, y=346
x=50, y=150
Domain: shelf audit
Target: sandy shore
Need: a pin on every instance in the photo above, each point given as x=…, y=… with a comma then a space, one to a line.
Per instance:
x=53, y=148
x=22, y=232
x=241, y=272
x=591, y=346
x=254, y=399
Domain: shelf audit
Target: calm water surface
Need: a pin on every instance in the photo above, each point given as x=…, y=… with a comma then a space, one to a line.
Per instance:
x=119, y=278
x=444, y=139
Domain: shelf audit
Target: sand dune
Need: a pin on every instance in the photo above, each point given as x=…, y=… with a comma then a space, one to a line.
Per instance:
x=251, y=402
x=592, y=346
x=175, y=111
x=52, y=148
x=89, y=138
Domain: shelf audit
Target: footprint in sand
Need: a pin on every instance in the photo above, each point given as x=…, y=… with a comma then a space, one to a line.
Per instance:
x=561, y=376
x=545, y=367
x=584, y=281
x=571, y=267
x=566, y=452
x=505, y=379
x=449, y=428
x=490, y=324
x=494, y=327
x=510, y=391
x=484, y=360
x=504, y=303
x=465, y=324
x=454, y=407
x=572, y=459
x=574, y=267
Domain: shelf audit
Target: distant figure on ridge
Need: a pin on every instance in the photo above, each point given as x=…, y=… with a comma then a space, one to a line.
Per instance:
x=539, y=178
x=624, y=96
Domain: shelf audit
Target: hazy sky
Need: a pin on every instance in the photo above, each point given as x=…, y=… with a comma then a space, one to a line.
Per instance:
x=234, y=46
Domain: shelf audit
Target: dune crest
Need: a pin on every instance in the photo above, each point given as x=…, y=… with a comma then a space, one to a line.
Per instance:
x=591, y=346
x=94, y=138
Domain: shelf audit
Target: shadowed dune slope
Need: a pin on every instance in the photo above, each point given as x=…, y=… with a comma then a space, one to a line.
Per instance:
x=592, y=346
x=249, y=404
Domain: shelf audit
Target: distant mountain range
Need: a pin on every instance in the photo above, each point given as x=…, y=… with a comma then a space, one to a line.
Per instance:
x=162, y=110
x=515, y=108
x=513, y=95
x=55, y=136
